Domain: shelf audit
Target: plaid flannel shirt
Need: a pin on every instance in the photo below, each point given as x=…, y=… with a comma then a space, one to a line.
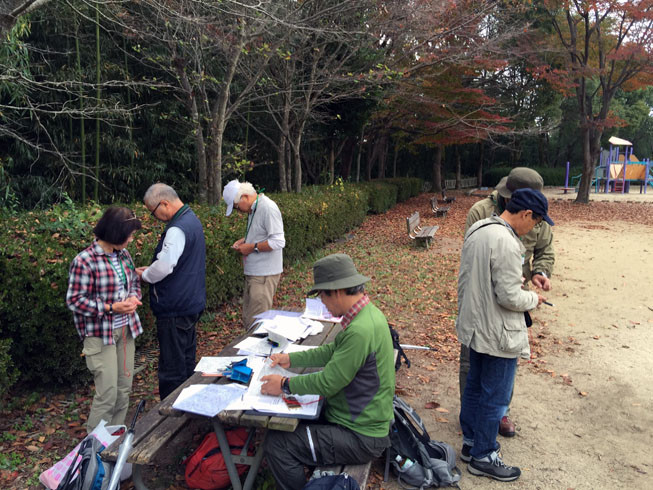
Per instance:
x=92, y=282
x=354, y=310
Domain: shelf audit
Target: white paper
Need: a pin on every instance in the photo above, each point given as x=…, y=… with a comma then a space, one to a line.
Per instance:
x=208, y=400
x=298, y=348
x=269, y=314
x=216, y=364
x=253, y=346
x=316, y=310
x=275, y=404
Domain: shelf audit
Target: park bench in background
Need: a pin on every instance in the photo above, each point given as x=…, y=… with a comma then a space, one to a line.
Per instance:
x=439, y=211
x=445, y=199
x=417, y=233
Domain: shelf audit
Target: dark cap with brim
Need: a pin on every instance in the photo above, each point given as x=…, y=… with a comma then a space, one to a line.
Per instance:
x=335, y=271
x=524, y=199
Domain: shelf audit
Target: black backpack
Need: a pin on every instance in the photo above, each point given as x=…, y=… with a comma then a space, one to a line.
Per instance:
x=400, y=351
x=432, y=463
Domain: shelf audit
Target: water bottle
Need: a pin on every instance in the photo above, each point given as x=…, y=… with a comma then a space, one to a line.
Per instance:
x=404, y=464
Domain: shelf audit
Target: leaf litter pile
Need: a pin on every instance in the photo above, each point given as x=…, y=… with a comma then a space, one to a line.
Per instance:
x=414, y=287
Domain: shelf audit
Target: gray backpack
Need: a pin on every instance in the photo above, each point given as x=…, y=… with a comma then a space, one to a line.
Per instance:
x=432, y=463
x=88, y=472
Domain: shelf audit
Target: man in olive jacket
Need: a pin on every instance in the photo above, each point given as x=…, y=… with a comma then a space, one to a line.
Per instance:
x=357, y=382
x=538, y=259
x=491, y=306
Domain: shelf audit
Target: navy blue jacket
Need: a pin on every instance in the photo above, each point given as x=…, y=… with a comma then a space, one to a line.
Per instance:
x=183, y=292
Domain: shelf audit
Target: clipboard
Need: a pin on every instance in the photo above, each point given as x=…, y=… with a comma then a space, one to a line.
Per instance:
x=318, y=414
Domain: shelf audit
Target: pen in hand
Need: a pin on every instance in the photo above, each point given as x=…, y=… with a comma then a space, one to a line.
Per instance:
x=547, y=303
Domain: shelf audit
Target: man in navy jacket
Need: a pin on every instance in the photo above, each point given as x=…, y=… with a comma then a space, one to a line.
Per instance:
x=177, y=285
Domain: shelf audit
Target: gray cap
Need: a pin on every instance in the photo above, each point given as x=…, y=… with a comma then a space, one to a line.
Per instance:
x=336, y=271
x=520, y=178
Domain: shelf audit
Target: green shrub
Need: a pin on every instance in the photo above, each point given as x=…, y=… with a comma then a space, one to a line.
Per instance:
x=40, y=246
x=551, y=176
x=382, y=196
x=8, y=373
x=407, y=187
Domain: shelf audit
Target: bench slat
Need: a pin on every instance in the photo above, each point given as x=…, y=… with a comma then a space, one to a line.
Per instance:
x=360, y=472
x=145, y=451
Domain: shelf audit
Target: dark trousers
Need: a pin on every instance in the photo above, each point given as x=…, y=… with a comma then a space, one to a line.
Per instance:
x=317, y=445
x=464, y=371
x=177, y=343
x=486, y=397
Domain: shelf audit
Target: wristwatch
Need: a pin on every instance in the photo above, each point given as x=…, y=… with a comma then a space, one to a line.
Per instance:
x=256, y=248
x=285, y=386
x=540, y=273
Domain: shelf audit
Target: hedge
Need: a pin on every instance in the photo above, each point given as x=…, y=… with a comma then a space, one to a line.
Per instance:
x=39, y=246
x=551, y=176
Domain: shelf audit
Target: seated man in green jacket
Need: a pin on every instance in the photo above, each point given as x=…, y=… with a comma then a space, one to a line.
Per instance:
x=357, y=382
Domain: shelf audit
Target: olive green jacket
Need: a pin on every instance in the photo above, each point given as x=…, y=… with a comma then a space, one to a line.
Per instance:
x=538, y=243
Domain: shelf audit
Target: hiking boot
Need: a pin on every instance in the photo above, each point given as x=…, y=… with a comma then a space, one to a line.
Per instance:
x=506, y=427
x=493, y=467
x=465, y=452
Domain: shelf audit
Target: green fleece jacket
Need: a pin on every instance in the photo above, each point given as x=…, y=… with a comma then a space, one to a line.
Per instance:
x=358, y=379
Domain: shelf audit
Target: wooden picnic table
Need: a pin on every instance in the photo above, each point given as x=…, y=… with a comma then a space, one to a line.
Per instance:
x=162, y=423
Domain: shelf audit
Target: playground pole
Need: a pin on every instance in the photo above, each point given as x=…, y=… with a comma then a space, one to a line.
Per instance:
x=623, y=178
x=567, y=176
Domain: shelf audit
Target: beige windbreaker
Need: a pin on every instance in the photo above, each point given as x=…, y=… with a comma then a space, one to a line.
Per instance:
x=491, y=301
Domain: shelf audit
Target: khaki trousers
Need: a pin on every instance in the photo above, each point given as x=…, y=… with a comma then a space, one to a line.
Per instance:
x=112, y=367
x=258, y=296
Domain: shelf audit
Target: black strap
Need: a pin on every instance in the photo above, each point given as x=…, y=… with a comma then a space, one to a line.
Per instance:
x=400, y=351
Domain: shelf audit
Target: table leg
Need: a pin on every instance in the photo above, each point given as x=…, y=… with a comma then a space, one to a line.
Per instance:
x=137, y=478
x=254, y=462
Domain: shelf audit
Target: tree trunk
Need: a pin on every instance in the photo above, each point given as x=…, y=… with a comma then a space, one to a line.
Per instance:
x=82, y=129
x=332, y=161
x=98, y=80
x=458, y=167
x=394, y=162
x=583, y=196
x=360, y=152
x=479, y=169
x=437, y=169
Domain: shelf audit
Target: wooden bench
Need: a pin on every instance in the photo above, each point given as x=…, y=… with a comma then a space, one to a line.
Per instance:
x=437, y=210
x=566, y=189
x=416, y=232
x=161, y=424
x=445, y=199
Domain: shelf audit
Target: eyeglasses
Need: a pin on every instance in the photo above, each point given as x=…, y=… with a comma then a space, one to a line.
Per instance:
x=154, y=210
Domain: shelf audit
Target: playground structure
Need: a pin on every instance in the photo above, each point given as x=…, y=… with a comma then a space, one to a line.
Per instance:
x=618, y=168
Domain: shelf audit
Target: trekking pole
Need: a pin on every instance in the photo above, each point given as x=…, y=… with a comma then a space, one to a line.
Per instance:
x=125, y=449
x=417, y=347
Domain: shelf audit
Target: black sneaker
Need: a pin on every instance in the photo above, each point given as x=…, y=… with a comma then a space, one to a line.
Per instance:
x=493, y=467
x=465, y=454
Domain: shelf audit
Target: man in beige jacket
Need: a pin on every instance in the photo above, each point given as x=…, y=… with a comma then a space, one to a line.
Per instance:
x=491, y=306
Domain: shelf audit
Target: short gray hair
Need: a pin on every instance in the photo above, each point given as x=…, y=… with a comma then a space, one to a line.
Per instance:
x=246, y=189
x=159, y=192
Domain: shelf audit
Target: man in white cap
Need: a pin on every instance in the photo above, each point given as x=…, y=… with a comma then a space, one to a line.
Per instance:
x=261, y=248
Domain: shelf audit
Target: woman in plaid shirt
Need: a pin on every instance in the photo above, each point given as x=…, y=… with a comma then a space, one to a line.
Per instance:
x=103, y=294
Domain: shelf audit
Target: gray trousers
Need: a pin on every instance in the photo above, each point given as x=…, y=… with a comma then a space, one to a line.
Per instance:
x=258, y=296
x=112, y=367
x=464, y=370
x=317, y=445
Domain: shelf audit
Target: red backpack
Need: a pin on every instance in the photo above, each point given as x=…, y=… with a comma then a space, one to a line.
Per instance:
x=206, y=469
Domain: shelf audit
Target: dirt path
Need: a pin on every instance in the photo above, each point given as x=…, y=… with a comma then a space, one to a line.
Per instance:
x=584, y=411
